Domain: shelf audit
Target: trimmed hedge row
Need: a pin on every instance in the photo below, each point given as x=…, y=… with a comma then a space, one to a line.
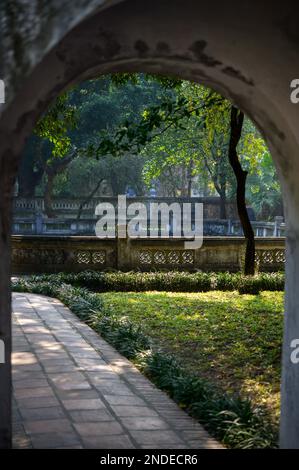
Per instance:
x=231, y=419
x=173, y=281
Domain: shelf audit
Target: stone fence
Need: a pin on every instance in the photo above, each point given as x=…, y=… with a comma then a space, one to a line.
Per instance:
x=69, y=207
x=48, y=254
x=29, y=217
x=40, y=225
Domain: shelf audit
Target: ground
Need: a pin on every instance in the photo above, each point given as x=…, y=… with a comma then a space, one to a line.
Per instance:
x=233, y=340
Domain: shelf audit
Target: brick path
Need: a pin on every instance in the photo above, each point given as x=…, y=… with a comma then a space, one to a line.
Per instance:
x=73, y=390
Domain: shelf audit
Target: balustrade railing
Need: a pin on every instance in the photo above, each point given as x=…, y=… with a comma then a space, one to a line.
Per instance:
x=40, y=225
x=29, y=217
x=35, y=254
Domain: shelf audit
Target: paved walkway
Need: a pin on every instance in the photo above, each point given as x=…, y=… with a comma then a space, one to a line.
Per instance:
x=73, y=390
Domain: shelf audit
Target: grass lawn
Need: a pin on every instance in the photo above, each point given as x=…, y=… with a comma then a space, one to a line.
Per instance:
x=232, y=340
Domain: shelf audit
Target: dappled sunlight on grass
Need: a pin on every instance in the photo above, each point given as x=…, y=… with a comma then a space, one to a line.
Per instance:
x=232, y=339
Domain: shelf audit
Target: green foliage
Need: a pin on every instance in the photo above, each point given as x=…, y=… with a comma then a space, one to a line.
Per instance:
x=83, y=174
x=236, y=422
x=180, y=128
x=187, y=132
x=172, y=281
x=127, y=338
x=132, y=136
x=55, y=125
x=229, y=418
x=232, y=340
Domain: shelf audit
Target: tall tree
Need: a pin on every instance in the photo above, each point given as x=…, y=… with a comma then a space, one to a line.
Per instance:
x=236, y=124
x=76, y=118
x=212, y=112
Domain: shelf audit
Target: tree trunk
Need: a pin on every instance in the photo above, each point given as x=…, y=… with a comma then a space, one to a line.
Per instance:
x=223, y=214
x=31, y=168
x=28, y=181
x=26, y=186
x=55, y=167
x=236, y=123
x=48, y=195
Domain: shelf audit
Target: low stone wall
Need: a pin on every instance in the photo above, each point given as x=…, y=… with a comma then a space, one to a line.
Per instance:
x=68, y=207
x=41, y=226
x=36, y=254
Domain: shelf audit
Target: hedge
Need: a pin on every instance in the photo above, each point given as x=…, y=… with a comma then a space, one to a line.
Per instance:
x=172, y=281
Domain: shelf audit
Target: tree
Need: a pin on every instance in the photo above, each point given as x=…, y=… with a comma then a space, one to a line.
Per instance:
x=170, y=160
x=180, y=131
x=32, y=166
x=263, y=188
x=53, y=128
x=198, y=113
x=236, y=124
x=216, y=132
x=75, y=119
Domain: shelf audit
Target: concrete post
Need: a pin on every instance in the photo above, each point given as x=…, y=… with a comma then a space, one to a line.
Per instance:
x=123, y=254
x=278, y=222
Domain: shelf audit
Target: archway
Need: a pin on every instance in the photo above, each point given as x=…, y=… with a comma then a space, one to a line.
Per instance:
x=223, y=46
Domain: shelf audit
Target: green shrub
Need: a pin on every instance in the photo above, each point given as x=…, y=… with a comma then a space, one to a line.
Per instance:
x=229, y=418
x=235, y=422
x=171, y=281
x=249, y=285
x=263, y=281
x=128, y=339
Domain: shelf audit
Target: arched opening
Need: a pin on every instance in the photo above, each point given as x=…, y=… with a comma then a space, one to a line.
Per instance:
x=144, y=258
x=122, y=38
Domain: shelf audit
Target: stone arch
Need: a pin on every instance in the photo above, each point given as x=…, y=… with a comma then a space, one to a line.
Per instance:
x=247, y=52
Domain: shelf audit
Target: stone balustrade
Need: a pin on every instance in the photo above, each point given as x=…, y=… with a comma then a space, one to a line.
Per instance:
x=50, y=254
x=30, y=219
x=40, y=225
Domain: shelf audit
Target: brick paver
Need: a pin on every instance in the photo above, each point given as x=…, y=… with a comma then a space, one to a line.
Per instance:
x=73, y=390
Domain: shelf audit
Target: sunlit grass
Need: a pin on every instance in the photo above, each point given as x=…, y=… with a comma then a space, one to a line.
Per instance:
x=233, y=340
